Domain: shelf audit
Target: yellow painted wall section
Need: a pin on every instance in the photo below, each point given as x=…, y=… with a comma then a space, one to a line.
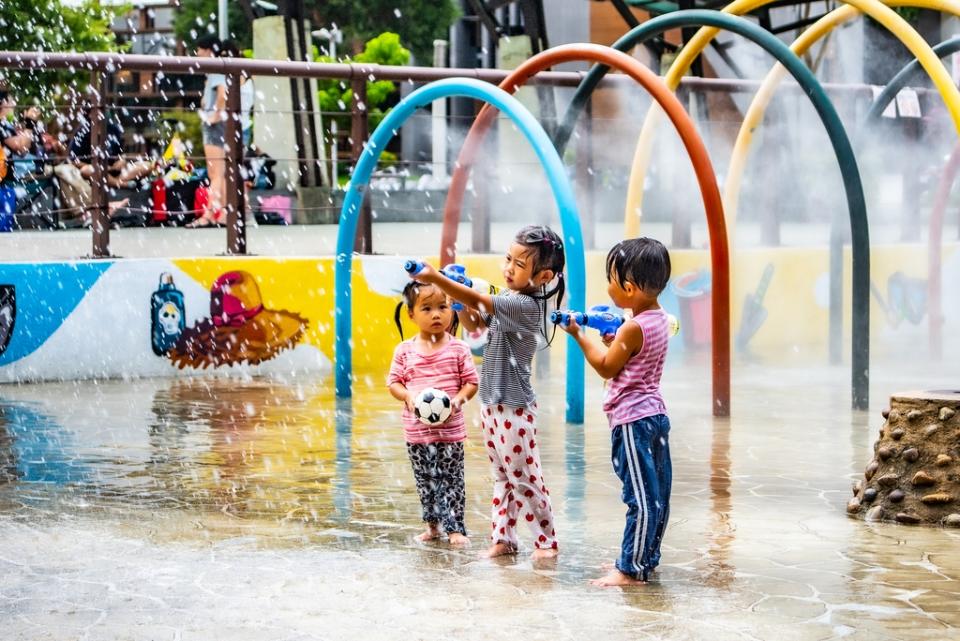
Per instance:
x=796, y=301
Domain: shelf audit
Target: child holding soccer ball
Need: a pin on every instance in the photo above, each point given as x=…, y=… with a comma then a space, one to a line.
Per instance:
x=434, y=359
x=516, y=321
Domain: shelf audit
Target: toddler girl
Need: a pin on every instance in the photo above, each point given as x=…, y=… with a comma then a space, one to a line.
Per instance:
x=434, y=358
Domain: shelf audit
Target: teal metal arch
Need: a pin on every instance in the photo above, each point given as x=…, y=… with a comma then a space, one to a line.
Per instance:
x=899, y=81
x=556, y=176
x=853, y=186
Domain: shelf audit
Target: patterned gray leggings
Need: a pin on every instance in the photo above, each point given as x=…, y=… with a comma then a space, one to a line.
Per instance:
x=438, y=472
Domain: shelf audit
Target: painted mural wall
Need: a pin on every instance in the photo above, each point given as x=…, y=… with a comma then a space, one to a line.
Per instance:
x=250, y=316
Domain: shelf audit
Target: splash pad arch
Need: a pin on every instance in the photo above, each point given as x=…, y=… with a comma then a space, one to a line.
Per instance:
x=706, y=178
x=940, y=200
x=711, y=22
x=563, y=194
x=924, y=57
x=816, y=32
x=876, y=9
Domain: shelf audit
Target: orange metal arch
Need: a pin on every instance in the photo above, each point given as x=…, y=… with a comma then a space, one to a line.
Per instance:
x=706, y=178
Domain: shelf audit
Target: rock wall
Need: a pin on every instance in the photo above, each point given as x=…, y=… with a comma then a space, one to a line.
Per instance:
x=914, y=477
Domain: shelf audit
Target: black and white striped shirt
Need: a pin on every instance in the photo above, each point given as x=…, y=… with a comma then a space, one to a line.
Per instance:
x=514, y=337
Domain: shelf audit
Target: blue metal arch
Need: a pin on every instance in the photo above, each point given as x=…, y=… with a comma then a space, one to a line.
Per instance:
x=556, y=176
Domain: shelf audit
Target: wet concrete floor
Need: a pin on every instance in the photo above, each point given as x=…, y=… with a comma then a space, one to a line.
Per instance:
x=217, y=508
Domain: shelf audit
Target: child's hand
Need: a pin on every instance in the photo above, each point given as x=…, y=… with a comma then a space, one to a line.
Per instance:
x=409, y=402
x=607, y=339
x=427, y=274
x=572, y=328
x=457, y=403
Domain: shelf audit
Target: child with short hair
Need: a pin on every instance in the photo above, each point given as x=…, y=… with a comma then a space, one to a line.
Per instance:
x=637, y=271
x=434, y=358
x=516, y=318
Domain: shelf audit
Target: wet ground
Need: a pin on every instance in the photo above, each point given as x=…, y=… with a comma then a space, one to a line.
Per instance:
x=262, y=509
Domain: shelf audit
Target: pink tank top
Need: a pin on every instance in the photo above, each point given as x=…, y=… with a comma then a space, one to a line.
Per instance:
x=634, y=393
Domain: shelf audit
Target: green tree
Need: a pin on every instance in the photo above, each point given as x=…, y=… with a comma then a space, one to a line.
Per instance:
x=336, y=95
x=417, y=22
x=50, y=25
x=198, y=17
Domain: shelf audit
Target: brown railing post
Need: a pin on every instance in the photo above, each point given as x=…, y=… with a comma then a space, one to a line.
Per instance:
x=587, y=200
x=233, y=177
x=359, y=130
x=99, y=206
x=681, y=232
x=483, y=177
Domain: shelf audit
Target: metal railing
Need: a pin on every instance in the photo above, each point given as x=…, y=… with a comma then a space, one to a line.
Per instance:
x=100, y=65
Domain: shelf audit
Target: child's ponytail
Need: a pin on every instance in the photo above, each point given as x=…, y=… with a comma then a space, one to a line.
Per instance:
x=408, y=297
x=558, y=291
x=547, y=247
x=396, y=319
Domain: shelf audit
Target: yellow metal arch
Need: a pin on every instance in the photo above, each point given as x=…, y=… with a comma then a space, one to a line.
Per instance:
x=754, y=116
x=876, y=9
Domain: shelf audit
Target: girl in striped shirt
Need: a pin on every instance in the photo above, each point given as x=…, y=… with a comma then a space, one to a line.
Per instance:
x=637, y=271
x=434, y=358
x=516, y=318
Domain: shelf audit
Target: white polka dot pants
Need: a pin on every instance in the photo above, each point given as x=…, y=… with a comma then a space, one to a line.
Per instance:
x=520, y=494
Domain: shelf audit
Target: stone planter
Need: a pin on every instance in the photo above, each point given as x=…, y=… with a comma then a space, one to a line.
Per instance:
x=914, y=477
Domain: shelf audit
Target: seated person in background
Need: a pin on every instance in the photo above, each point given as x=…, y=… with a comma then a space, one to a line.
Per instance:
x=118, y=170
x=23, y=139
x=49, y=146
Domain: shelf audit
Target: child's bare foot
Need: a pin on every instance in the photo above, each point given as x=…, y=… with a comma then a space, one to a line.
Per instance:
x=498, y=549
x=616, y=578
x=431, y=534
x=458, y=540
x=544, y=553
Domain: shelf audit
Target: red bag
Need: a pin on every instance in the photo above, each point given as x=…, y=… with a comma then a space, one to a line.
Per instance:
x=201, y=200
x=158, y=200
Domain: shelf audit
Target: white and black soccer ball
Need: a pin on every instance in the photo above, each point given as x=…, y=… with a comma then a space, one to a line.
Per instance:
x=432, y=406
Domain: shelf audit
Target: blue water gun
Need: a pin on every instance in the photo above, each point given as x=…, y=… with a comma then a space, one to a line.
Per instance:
x=599, y=317
x=413, y=267
x=453, y=271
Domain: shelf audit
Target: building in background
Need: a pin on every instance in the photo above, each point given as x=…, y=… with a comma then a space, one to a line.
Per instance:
x=142, y=98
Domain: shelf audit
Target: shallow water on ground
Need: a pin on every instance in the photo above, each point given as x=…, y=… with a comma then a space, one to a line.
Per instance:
x=221, y=508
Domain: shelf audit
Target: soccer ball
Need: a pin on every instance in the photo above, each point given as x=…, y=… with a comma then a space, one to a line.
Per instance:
x=432, y=406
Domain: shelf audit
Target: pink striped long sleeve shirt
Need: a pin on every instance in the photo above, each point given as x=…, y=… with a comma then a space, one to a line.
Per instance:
x=449, y=368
